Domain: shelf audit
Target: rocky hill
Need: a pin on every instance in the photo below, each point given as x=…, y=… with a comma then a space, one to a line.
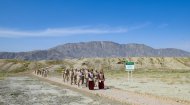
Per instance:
x=95, y=49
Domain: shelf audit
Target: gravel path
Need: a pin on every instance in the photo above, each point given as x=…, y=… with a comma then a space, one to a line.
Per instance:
x=125, y=97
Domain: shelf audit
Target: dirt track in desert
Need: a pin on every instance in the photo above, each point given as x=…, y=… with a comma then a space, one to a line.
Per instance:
x=28, y=90
x=118, y=95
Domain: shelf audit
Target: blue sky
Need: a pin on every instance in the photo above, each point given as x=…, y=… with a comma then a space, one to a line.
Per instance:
x=27, y=25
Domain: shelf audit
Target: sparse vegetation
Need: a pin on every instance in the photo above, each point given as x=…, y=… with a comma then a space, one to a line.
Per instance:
x=13, y=66
x=21, y=69
x=15, y=61
x=59, y=70
x=168, y=76
x=185, y=61
x=112, y=68
x=54, y=62
x=3, y=75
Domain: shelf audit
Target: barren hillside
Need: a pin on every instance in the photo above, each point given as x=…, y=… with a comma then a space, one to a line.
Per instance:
x=95, y=49
x=145, y=63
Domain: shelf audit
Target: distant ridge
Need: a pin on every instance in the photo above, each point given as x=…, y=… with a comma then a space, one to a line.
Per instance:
x=95, y=49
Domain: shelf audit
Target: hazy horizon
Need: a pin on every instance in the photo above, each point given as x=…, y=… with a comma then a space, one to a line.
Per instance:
x=86, y=42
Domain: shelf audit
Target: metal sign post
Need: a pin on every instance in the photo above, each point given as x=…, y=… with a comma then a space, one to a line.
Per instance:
x=130, y=68
x=128, y=76
x=132, y=76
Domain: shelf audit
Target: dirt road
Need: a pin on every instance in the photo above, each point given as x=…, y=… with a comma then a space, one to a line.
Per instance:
x=125, y=97
x=26, y=90
x=36, y=90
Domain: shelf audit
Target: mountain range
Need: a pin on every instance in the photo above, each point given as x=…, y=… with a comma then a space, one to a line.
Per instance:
x=95, y=49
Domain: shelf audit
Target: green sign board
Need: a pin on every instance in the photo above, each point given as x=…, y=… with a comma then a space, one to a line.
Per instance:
x=130, y=66
x=129, y=63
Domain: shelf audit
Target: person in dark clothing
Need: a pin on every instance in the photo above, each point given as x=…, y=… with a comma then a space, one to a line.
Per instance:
x=91, y=80
x=101, y=79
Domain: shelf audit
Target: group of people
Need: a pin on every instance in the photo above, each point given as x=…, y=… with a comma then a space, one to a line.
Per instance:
x=42, y=71
x=87, y=77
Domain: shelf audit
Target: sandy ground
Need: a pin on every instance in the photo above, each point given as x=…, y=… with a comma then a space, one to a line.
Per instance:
x=177, y=91
x=25, y=90
x=124, y=96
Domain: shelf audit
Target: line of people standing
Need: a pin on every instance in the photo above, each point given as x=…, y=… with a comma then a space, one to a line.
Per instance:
x=87, y=77
x=42, y=71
